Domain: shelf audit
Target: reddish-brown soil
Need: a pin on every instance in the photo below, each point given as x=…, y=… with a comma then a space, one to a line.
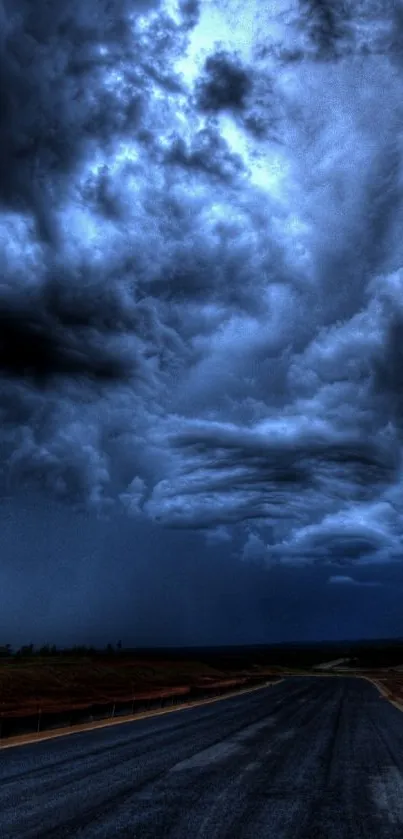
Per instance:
x=65, y=683
x=392, y=684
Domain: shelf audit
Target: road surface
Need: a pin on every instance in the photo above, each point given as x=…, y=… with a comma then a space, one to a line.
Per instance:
x=309, y=758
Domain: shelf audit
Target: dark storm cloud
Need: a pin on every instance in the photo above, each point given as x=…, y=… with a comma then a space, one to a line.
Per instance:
x=388, y=367
x=268, y=474
x=38, y=345
x=365, y=533
x=322, y=31
x=54, y=100
x=190, y=10
x=208, y=154
x=226, y=84
x=326, y=23
x=200, y=320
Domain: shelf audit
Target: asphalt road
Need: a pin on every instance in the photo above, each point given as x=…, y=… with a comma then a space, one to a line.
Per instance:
x=309, y=758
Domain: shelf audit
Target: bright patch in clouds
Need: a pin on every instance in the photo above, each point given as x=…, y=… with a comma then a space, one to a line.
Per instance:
x=232, y=25
x=267, y=169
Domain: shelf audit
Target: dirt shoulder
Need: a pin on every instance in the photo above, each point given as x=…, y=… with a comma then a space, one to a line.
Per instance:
x=26, y=739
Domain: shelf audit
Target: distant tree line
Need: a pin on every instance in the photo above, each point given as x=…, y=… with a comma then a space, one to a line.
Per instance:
x=28, y=650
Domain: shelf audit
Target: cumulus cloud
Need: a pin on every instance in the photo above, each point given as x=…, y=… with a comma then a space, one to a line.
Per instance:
x=200, y=298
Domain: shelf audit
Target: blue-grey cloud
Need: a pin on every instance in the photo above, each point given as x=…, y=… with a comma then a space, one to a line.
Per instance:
x=200, y=302
x=339, y=579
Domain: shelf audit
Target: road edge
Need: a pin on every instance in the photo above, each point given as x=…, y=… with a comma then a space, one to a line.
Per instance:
x=32, y=739
x=384, y=692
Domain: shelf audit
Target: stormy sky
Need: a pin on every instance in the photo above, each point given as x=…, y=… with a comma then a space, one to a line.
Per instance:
x=201, y=320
